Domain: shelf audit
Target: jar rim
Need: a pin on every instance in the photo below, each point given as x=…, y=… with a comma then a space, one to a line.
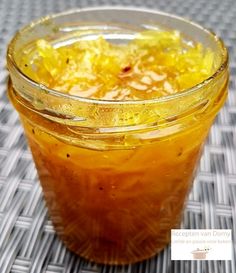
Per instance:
x=206, y=82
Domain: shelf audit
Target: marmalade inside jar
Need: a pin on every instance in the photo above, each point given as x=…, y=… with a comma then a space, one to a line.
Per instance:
x=114, y=197
x=152, y=65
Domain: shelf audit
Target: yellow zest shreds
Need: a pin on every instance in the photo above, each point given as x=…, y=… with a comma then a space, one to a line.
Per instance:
x=154, y=64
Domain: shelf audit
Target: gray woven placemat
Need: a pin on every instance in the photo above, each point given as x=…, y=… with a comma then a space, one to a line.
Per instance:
x=27, y=240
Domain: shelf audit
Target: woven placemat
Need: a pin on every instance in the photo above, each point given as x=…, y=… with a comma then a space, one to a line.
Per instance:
x=28, y=242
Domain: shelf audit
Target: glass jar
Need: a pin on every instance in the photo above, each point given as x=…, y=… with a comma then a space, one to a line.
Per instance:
x=115, y=174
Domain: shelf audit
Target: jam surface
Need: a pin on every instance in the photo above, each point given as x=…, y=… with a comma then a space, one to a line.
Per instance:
x=152, y=65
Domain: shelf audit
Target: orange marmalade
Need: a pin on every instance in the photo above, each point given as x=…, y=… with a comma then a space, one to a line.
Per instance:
x=115, y=136
x=154, y=64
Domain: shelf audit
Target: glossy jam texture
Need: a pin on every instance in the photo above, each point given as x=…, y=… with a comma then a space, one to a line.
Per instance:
x=115, y=206
x=114, y=197
x=154, y=64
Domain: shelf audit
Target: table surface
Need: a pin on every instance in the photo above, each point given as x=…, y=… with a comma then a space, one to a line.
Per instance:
x=28, y=242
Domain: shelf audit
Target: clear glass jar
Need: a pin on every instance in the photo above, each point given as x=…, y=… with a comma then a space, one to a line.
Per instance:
x=115, y=175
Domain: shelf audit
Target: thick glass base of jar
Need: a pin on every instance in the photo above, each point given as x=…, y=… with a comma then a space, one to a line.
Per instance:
x=100, y=258
x=102, y=251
